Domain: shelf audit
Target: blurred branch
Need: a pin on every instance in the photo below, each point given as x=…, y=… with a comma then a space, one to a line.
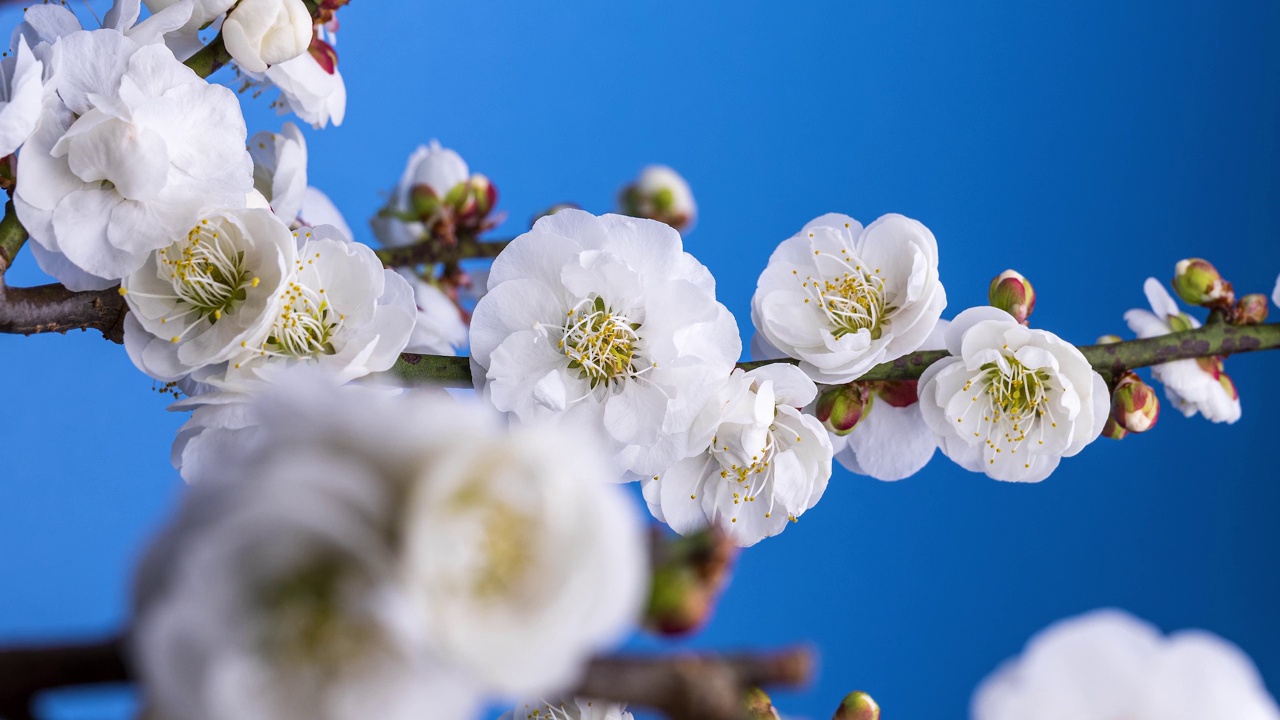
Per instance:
x=692, y=687
x=437, y=249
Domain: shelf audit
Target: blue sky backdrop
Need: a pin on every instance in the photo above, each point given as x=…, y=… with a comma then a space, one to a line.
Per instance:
x=1087, y=144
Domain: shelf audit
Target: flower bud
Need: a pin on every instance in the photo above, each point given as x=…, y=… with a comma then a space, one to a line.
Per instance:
x=858, y=706
x=841, y=407
x=898, y=393
x=324, y=54
x=660, y=194
x=759, y=706
x=1134, y=405
x=483, y=193
x=1110, y=339
x=689, y=574
x=1012, y=292
x=423, y=200
x=260, y=33
x=1251, y=310
x=1198, y=282
x=1111, y=429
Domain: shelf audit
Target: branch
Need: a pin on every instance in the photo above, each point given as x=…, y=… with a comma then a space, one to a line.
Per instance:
x=437, y=250
x=12, y=237
x=685, y=687
x=210, y=58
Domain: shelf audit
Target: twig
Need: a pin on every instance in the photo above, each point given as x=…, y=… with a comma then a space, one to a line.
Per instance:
x=53, y=308
x=684, y=687
x=436, y=250
x=210, y=58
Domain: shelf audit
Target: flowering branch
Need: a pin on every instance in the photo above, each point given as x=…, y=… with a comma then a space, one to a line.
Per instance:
x=686, y=687
x=436, y=249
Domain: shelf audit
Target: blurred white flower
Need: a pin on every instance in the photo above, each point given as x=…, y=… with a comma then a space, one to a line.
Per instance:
x=1193, y=386
x=318, y=209
x=661, y=194
x=577, y=709
x=280, y=169
x=339, y=310
x=1108, y=664
x=439, y=328
x=842, y=299
x=891, y=441
x=259, y=33
x=1011, y=402
x=763, y=464
x=312, y=85
x=200, y=300
x=21, y=95
x=604, y=321
x=430, y=166
x=127, y=153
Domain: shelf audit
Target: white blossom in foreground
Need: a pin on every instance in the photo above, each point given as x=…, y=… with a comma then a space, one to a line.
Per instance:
x=439, y=328
x=1011, y=402
x=604, y=321
x=763, y=465
x=200, y=300
x=259, y=33
x=891, y=441
x=1193, y=386
x=433, y=167
x=577, y=709
x=842, y=299
x=126, y=155
x=312, y=85
x=21, y=95
x=280, y=169
x=1110, y=665
x=661, y=194
x=339, y=310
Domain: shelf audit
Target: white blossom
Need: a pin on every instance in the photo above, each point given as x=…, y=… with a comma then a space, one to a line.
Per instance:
x=280, y=169
x=842, y=299
x=1108, y=664
x=312, y=86
x=892, y=441
x=1193, y=386
x=184, y=41
x=339, y=310
x=21, y=95
x=200, y=300
x=604, y=321
x=763, y=463
x=577, y=709
x=439, y=328
x=432, y=166
x=1010, y=401
x=259, y=33
x=126, y=155
x=317, y=209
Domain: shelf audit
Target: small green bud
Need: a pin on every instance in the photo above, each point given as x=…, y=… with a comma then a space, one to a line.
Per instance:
x=1111, y=429
x=1110, y=339
x=841, y=407
x=484, y=193
x=1251, y=310
x=424, y=201
x=459, y=198
x=1134, y=405
x=1198, y=282
x=759, y=706
x=1012, y=292
x=858, y=706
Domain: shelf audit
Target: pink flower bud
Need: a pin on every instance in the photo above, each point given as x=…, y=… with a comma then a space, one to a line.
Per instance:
x=841, y=407
x=1134, y=405
x=1012, y=292
x=1251, y=310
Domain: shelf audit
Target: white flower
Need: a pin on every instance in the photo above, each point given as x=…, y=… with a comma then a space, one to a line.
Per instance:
x=605, y=321
x=432, y=166
x=891, y=441
x=1011, y=402
x=280, y=169
x=43, y=24
x=439, y=329
x=312, y=85
x=1193, y=386
x=126, y=155
x=578, y=709
x=259, y=33
x=198, y=301
x=339, y=310
x=203, y=12
x=660, y=193
x=764, y=462
x=21, y=92
x=1108, y=664
x=841, y=298
x=317, y=209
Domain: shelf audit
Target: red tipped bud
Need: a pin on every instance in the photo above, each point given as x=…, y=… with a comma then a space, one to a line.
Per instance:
x=1012, y=292
x=1251, y=310
x=759, y=706
x=858, y=706
x=841, y=407
x=1111, y=429
x=1134, y=405
x=324, y=54
x=484, y=193
x=1198, y=282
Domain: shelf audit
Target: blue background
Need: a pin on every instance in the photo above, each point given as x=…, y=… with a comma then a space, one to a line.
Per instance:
x=1087, y=144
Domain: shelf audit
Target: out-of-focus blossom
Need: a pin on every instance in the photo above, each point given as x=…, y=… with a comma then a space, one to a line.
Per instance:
x=280, y=169
x=21, y=94
x=661, y=194
x=439, y=328
x=434, y=179
x=576, y=709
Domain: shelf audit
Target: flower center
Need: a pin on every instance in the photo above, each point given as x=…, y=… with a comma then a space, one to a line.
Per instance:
x=1013, y=405
x=309, y=625
x=207, y=273
x=852, y=298
x=600, y=343
x=505, y=552
x=305, y=326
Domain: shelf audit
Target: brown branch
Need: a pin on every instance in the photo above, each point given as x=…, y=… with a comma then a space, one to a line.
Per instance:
x=53, y=308
x=437, y=249
x=684, y=687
